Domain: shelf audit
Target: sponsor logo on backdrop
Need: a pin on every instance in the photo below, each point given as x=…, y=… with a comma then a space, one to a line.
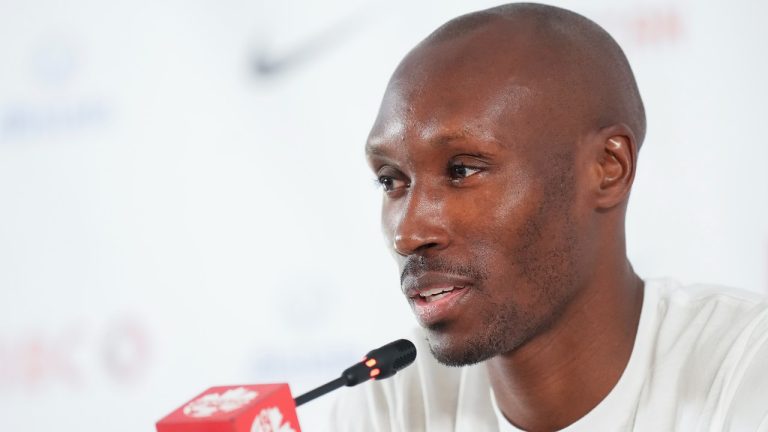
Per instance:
x=215, y=403
x=269, y=63
x=76, y=355
x=643, y=26
x=34, y=120
x=308, y=325
x=52, y=102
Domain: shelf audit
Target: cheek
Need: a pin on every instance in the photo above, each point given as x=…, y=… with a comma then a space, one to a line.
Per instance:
x=502, y=231
x=388, y=219
x=495, y=213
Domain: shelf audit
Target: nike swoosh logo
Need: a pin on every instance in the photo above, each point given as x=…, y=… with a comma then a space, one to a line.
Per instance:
x=268, y=64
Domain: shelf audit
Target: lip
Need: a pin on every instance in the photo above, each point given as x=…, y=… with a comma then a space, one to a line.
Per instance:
x=415, y=285
x=431, y=312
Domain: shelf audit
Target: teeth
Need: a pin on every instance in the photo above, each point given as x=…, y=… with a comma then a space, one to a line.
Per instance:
x=436, y=297
x=434, y=291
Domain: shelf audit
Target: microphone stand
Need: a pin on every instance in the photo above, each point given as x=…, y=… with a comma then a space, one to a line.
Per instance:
x=323, y=389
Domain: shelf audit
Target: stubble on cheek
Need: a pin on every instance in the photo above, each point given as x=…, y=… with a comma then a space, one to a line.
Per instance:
x=544, y=256
x=531, y=280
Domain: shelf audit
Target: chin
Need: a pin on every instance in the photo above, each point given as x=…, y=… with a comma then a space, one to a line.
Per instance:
x=463, y=345
x=454, y=350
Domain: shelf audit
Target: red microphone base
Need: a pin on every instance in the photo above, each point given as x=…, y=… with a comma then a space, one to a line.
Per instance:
x=244, y=408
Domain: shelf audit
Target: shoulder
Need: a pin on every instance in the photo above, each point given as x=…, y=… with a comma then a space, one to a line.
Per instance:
x=714, y=311
x=706, y=320
x=674, y=293
x=712, y=341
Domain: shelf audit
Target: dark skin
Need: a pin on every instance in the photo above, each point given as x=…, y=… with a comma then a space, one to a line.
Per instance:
x=509, y=184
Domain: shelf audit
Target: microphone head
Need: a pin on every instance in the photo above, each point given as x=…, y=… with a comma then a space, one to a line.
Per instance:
x=382, y=362
x=392, y=357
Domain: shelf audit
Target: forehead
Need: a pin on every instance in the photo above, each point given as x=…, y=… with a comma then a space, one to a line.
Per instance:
x=464, y=86
x=508, y=84
x=439, y=116
x=449, y=107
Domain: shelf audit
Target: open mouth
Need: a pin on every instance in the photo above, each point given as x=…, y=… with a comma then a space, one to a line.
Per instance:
x=437, y=297
x=436, y=294
x=441, y=303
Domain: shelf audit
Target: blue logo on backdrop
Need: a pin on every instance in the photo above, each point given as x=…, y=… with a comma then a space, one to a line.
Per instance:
x=51, y=109
x=308, y=344
x=22, y=120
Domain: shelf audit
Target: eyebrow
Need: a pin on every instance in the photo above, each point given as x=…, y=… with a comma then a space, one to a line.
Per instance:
x=374, y=150
x=442, y=139
x=448, y=137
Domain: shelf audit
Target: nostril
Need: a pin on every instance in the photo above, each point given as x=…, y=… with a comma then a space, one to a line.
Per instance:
x=426, y=246
x=412, y=244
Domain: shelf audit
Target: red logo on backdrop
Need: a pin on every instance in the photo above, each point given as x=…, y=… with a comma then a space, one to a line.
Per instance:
x=77, y=354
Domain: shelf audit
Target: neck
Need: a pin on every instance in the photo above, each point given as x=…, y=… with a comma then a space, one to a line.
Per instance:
x=564, y=372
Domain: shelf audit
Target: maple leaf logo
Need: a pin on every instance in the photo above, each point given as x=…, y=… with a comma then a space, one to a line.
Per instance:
x=270, y=420
x=212, y=403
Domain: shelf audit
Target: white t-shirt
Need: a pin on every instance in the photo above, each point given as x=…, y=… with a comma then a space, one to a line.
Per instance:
x=700, y=363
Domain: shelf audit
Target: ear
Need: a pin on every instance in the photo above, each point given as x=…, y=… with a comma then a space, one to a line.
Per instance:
x=615, y=164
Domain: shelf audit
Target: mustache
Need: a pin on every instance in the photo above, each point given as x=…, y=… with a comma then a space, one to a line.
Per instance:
x=417, y=265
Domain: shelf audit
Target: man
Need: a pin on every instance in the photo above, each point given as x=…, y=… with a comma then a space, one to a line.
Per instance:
x=506, y=146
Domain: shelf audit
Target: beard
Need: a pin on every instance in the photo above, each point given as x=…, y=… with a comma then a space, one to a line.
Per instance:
x=505, y=327
x=501, y=331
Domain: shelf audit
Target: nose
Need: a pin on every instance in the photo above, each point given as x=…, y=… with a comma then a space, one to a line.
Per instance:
x=420, y=223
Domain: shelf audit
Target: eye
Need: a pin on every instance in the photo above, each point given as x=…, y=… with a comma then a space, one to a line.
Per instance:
x=390, y=183
x=459, y=171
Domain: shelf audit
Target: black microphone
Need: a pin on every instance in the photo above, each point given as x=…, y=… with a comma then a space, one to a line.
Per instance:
x=378, y=364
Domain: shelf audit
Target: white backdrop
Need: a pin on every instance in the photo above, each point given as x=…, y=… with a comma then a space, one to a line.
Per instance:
x=184, y=200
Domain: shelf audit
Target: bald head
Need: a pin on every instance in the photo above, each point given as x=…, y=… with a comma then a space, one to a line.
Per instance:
x=577, y=71
x=506, y=146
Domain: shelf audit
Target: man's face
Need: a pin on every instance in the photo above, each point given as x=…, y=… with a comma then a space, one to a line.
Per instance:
x=478, y=207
